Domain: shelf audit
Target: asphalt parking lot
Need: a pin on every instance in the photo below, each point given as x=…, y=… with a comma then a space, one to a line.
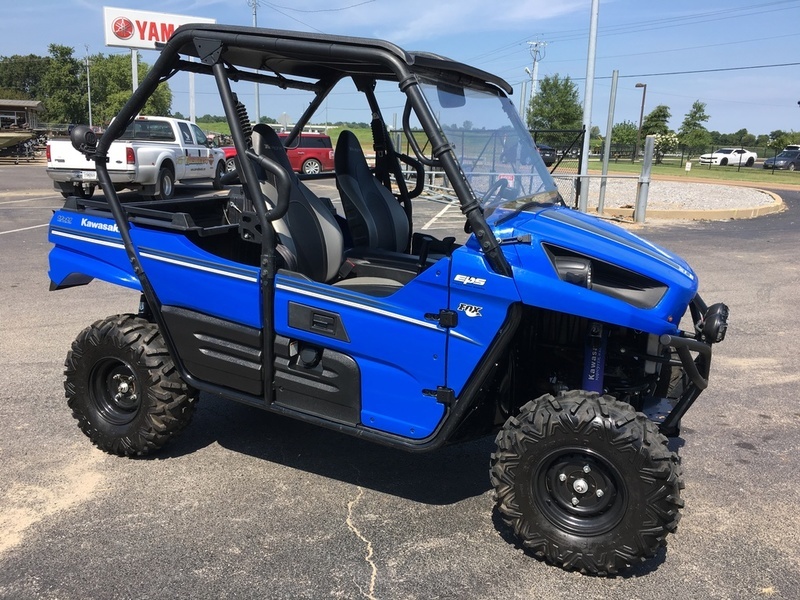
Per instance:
x=250, y=505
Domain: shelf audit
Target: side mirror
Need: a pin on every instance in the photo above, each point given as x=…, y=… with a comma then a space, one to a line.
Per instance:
x=83, y=139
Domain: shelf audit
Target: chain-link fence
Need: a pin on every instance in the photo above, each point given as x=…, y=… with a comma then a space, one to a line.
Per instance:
x=561, y=150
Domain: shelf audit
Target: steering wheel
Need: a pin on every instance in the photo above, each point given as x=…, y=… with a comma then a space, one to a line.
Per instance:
x=494, y=190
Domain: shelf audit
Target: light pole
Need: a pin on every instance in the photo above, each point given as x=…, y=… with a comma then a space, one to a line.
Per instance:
x=254, y=4
x=88, y=85
x=641, y=118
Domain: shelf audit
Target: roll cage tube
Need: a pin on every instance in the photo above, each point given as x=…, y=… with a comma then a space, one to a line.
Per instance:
x=444, y=156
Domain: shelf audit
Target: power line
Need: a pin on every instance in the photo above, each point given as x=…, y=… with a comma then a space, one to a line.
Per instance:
x=719, y=70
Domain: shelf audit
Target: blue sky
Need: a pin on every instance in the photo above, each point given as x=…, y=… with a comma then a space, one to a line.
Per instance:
x=640, y=39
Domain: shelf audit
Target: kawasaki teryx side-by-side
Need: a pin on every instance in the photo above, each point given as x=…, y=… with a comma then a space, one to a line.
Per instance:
x=557, y=331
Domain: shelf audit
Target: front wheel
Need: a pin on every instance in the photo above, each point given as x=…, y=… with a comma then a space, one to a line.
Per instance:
x=791, y=167
x=312, y=167
x=723, y=162
x=586, y=482
x=123, y=388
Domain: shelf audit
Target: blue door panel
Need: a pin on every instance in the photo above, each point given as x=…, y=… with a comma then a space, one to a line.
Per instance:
x=480, y=297
x=398, y=351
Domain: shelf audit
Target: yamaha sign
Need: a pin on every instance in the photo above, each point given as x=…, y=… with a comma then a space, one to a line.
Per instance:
x=141, y=29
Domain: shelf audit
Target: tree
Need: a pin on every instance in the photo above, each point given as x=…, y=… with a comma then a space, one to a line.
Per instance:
x=556, y=106
x=111, y=87
x=656, y=121
x=64, y=97
x=624, y=134
x=692, y=134
x=778, y=139
x=23, y=74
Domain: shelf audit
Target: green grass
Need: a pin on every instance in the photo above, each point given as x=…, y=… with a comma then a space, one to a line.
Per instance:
x=722, y=174
x=671, y=167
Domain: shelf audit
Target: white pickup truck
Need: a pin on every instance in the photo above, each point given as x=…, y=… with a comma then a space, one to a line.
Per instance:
x=152, y=154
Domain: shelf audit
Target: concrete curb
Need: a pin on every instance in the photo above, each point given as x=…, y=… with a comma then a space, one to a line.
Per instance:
x=719, y=214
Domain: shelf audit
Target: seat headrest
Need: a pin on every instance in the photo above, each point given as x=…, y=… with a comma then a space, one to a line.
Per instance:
x=267, y=143
x=348, y=156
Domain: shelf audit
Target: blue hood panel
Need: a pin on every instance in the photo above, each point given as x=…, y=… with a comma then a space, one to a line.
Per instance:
x=539, y=284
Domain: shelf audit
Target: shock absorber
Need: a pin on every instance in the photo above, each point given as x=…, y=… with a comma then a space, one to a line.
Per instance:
x=244, y=122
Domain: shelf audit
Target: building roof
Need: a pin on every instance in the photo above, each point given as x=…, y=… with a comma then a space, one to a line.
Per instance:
x=29, y=104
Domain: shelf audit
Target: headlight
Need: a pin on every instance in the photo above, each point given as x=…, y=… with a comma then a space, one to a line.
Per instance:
x=715, y=323
x=574, y=270
x=599, y=276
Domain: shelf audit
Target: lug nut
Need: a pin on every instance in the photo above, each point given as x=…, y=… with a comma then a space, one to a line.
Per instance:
x=575, y=501
x=599, y=493
x=586, y=469
x=562, y=477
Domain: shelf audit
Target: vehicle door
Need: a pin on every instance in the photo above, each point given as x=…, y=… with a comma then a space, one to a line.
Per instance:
x=205, y=153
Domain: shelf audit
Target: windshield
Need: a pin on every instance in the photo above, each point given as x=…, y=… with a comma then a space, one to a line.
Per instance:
x=496, y=152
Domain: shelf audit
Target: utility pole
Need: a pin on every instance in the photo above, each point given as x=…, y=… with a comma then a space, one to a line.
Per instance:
x=537, y=54
x=254, y=4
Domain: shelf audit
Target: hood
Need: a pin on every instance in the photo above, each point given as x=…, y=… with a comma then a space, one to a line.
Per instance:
x=633, y=281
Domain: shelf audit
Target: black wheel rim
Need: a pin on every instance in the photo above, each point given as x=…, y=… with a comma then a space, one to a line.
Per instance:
x=115, y=391
x=579, y=491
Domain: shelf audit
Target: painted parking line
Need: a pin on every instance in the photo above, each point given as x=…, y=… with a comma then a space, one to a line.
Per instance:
x=24, y=229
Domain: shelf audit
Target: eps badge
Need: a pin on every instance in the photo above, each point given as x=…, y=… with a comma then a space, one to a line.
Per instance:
x=470, y=310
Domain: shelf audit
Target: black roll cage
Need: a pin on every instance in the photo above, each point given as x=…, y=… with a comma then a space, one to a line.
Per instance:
x=223, y=51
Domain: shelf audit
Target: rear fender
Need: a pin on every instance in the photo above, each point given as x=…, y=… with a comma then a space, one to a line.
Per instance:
x=86, y=248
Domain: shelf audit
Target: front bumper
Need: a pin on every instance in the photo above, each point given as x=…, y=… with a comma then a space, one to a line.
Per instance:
x=711, y=325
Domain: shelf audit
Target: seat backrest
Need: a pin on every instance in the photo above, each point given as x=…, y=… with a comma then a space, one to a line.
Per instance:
x=374, y=216
x=309, y=229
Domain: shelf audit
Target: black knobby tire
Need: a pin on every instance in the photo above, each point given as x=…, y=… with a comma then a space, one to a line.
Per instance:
x=552, y=459
x=165, y=185
x=218, y=173
x=123, y=388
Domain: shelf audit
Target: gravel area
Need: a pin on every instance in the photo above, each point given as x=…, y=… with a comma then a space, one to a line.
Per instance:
x=679, y=195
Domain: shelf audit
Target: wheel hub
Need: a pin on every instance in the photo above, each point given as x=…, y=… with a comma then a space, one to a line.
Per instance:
x=115, y=391
x=580, y=492
x=578, y=488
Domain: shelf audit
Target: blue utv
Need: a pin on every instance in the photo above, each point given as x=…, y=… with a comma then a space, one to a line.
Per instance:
x=555, y=330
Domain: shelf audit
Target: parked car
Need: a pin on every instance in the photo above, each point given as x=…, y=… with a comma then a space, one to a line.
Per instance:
x=548, y=154
x=792, y=147
x=788, y=159
x=729, y=156
x=230, y=156
x=310, y=153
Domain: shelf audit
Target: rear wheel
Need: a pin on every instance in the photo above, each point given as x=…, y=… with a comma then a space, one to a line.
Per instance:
x=312, y=167
x=218, y=173
x=123, y=388
x=165, y=185
x=750, y=162
x=586, y=482
x=230, y=164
